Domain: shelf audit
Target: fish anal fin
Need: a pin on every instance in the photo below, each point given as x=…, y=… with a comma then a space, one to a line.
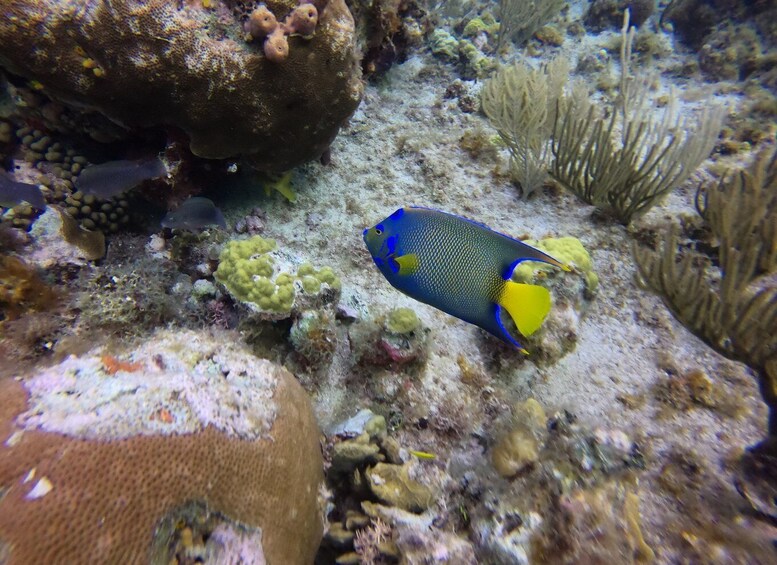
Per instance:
x=408, y=264
x=527, y=304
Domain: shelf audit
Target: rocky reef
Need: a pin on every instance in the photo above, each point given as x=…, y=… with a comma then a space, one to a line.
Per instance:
x=249, y=389
x=189, y=66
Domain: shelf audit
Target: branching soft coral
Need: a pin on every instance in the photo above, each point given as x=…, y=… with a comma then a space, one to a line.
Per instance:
x=733, y=309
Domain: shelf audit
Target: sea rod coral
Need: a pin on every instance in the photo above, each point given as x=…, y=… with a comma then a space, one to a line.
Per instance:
x=732, y=308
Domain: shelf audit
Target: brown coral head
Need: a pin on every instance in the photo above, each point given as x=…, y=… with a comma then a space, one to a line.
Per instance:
x=261, y=23
x=302, y=20
x=276, y=47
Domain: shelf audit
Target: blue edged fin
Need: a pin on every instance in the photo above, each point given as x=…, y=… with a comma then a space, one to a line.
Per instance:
x=503, y=331
x=540, y=256
x=405, y=264
x=527, y=304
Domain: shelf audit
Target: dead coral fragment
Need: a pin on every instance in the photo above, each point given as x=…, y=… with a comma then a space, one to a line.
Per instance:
x=22, y=289
x=394, y=485
x=598, y=525
x=515, y=453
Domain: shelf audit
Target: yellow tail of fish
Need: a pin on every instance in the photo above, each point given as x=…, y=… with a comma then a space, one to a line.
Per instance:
x=527, y=304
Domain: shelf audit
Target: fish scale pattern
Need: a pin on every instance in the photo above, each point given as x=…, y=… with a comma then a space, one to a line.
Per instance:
x=456, y=258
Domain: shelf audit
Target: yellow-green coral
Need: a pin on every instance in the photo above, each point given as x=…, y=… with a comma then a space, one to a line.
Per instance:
x=312, y=279
x=568, y=250
x=402, y=321
x=485, y=23
x=444, y=44
x=249, y=271
x=476, y=60
x=246, y=269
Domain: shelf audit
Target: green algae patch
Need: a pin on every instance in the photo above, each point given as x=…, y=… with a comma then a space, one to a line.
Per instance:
x=569, y=251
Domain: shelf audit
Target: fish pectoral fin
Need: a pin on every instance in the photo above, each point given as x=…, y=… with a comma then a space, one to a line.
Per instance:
x=527, y=304
x=406, y=264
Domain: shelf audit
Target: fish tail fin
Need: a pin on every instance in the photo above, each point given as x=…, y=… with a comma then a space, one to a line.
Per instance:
x=527, y=304
x=34, y=196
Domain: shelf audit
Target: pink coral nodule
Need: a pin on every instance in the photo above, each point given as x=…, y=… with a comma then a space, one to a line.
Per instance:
x=276, y=46
x=261, y=23
x=302, y=20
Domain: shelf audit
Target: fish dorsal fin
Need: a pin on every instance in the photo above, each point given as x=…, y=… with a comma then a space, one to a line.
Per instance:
x=407, y=264
x=527, y=304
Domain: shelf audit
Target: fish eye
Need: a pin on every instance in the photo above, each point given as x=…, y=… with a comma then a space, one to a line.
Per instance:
x=379, y=229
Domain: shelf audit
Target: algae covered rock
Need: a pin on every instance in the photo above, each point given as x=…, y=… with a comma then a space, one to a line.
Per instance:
x=104, y=453
x=188, y=65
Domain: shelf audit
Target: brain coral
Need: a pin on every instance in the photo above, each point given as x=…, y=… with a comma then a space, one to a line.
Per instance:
x=99, y=452
x=160, y=62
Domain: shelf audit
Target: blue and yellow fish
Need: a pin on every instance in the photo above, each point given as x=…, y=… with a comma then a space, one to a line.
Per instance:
x=460, y=267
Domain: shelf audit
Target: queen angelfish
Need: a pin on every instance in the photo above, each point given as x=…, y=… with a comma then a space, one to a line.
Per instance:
x=460, y=267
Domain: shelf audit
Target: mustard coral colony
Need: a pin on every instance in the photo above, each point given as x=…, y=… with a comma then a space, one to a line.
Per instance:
x=161, y=63
x=270, y=283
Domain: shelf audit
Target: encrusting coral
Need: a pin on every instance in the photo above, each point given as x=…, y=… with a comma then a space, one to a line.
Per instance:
x=182, y=65
x=261, y=277
x=219, y=430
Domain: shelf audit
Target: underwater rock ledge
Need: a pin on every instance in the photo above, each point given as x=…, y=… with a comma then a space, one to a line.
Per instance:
x=154, y=63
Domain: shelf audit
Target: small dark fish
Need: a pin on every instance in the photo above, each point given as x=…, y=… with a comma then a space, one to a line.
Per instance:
x=194, y=214
x=13, y=192
x=114, y=177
